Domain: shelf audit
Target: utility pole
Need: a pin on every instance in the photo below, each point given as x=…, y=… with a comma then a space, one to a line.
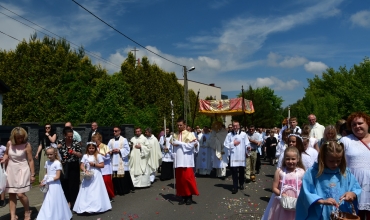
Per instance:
x=185, y=94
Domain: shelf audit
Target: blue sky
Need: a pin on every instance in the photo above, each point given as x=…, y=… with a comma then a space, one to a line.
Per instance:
x=231, y=43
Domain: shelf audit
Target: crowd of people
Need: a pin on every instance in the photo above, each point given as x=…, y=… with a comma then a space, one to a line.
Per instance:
x=317, y=167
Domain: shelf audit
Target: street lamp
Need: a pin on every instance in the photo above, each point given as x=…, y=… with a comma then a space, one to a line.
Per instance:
x=186, y=92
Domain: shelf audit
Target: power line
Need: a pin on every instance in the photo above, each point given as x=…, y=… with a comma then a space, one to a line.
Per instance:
x=125, y=35
x=10, y=36
x=76, y=46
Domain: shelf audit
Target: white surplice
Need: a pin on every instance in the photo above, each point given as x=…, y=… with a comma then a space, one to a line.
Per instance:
x=155, y=156
x=238, y=152
x=121, y=144
x=166, y=154
x=139, y=167
x=204, y=158
x=184, y=151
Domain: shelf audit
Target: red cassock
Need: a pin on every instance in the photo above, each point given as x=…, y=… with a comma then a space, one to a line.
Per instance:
x=109, y=185
x=185, y=182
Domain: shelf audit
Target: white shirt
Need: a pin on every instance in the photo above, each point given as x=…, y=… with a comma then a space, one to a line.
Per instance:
x=237, y=153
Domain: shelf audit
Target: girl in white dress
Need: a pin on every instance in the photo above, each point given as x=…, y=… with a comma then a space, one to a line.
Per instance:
x=93, y=196
x=55, y=205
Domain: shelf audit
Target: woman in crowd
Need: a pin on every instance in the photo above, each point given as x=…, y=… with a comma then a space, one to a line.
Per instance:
x=330, y=134
x=45, y=141
x=20, y=171
x=357, y=152
x=270, y=144
x=70, y=151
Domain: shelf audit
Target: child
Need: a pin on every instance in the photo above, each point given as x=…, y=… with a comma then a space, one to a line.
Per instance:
x=283, y=144
x=94, y=186
x=294, y=140
x=55, y=205
x=309, y=157
x=326, y=183
x=287, y=182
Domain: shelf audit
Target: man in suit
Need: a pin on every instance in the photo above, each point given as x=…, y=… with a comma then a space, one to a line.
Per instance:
x=94, y=129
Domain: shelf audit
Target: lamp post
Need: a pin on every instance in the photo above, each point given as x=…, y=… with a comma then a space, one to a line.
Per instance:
x=186, y=92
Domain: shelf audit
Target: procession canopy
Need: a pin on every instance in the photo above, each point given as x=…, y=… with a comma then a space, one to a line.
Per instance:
x=226, y=106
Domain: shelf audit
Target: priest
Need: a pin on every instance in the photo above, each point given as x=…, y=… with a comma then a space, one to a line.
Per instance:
x=139, y=158
x=167, y=161
x=220, y=156
x=184, y=145
x=155, y=155
x=237, y=143
x=204, y=160
x=120, y=149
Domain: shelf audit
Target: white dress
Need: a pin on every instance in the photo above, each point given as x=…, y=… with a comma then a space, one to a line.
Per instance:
x=93, y=196
x=357, y=158
x=310, y=158
x=55, y=205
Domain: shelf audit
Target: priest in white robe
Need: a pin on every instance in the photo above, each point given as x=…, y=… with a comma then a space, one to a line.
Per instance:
x=220, y=154
x=167, y=161
x=155, y=155
x=237, y=143
x=122, y=182
x=139, y=158
x=204, y=159
x=184, y=146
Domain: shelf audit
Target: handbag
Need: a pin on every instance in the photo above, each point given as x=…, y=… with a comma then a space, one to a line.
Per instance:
x=336, y=214
x=288, y=202
x=44, y=188
x=3, y=178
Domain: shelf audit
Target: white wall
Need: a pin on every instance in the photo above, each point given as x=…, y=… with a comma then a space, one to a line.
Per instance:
x=205, y=89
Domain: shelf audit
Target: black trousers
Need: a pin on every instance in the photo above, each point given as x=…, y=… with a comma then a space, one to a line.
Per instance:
x=234, y=174
x=258, y=162
x=71, y=181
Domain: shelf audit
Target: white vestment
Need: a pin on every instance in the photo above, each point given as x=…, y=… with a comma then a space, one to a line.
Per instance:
x=204, y=158
x=220, y=154
x=155, y=156
x=238, y=152
x=121, y=144
x=139, y=167
x=166, y=153
x=317, y=131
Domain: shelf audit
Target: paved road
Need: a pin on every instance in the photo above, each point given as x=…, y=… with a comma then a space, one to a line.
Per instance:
x=158, y=201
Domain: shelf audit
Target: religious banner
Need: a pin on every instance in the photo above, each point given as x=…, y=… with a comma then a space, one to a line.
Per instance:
x=226, y=106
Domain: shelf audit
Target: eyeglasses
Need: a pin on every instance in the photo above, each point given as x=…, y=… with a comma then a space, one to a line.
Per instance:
x=47, y=127
x=230, y=127
x=115, y=130
x=49, y=154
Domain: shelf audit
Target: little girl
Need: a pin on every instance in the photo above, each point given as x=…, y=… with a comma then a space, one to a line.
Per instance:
x=309, y=157
x=287, y=182
x=93, y=196
x=293, y=140
x=55, y=205
x=282, y=145
x=326, y=183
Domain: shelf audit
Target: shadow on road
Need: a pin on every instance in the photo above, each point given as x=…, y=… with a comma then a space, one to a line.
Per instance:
x=266, y=199
x=171, y=198
x=268, y=190
x=271, y=176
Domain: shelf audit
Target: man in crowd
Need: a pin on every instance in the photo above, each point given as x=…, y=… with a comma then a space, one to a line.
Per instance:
x=255, y=142
x=76, y=135
x=155, y=155
x=122, y=182
x=184, y=146
x=230, y=128
x=139, y=158
x=293, y=125
x=94, y=129
x=204, y=163
x=237, y=143
x=167, y=161
x=317, y=130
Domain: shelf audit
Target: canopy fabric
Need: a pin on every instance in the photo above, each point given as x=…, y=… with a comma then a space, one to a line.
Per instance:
x=225, y=106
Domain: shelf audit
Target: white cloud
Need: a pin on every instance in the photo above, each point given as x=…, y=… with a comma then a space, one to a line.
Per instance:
x=274, y=59
x=361, y=18
x=315, y=67
x=276, y=83
x=243, y=36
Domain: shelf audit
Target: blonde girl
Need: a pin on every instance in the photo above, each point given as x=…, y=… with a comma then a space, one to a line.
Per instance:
x=326, y=184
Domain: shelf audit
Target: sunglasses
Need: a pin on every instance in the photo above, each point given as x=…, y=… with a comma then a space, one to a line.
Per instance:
x=115, y=130
x=47, y=127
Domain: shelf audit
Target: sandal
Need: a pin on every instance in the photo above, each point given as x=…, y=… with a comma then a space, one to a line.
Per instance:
x=27, y=215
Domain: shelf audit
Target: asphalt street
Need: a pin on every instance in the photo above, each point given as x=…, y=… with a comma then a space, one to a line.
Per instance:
x=214, y=202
